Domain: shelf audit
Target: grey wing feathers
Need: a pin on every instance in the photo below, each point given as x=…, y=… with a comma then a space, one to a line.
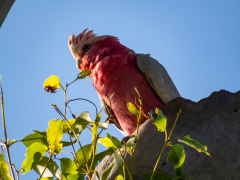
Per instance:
x=158, y=78
x=110, y=113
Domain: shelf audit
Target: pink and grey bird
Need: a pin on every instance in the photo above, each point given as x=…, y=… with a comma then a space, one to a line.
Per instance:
x=118, y=69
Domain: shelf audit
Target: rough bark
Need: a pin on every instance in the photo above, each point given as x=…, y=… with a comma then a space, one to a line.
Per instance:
x=5, y=6
x=213, y=121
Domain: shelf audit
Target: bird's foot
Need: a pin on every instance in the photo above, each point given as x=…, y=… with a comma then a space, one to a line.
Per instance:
x=152, y=114
x=125, y=139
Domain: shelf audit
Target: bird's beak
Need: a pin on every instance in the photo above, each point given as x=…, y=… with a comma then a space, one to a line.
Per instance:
x=78, y=63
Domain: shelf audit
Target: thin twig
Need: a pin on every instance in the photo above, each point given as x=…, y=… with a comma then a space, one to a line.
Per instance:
x=73, y=133
x=46, y=166
x=84, y=100
x=5, y=134
x=138, y=124
x=16, y=171
x=166, y=143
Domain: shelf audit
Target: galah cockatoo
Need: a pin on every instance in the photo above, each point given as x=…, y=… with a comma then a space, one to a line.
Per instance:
x=118, y=69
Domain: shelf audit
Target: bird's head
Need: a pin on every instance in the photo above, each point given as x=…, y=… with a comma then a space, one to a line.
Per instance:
x=82, y=44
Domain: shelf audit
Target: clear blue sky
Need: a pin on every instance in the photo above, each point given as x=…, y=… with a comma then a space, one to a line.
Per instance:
x=198, y=42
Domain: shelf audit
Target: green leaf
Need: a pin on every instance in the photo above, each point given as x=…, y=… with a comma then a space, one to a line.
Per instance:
x=47, y=178
x=158, y=175
x=66, y=143
x=12, y=141
x=67, y=125
x=106, y=173
x=97, y=175
x=132, y=108
x=83, y=74
x=94, y=131
x=110, y=142
x=99, y=157
x=52, y=169
x=193, y=143
x=78, y=130
x=180, y=173
x=80, y=157
x=98, y=118
x=161, y=121
x=130, y=142
x=40, y=133
x=103, y=125
x=84, y=119
x=119, y=177
x=73, y=177
x=34, y=155
x=4, y=169
x=68, y=166
x=119, y=164
x=176, y=155
x=32, y=138
x=54, y=136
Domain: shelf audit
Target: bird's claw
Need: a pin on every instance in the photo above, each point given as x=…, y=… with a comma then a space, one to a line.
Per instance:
x=153, y=114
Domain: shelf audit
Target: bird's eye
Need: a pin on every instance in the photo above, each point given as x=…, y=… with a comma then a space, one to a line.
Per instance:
x=85, y=47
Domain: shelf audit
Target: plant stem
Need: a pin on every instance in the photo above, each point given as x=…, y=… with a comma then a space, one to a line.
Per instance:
x=65, y=98
x=158, y=159
x=178, y=114
x=166, y=142
x=16, y=172
x=65, y=112
x=46, y=166
x=5, y=134
x=138, y=124
x=124, y=163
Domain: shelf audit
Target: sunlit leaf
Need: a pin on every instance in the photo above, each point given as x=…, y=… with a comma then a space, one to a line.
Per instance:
x=46, y=178
x=161, y=121
x=35, y=153
x=52, y=169
x=119, y=177
x=32, y=138
x=110, y=142
x=98, y=118
x=176, y=155
x=73, y=177
x=158, y=175
x=193, y=143
x=67, y=125
x=4, y=169
x=104, y=125
x=132, y=108
x=54, y=136
x=51, y=84
x=12, y=141
x=83, y=74
x=106, y=173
